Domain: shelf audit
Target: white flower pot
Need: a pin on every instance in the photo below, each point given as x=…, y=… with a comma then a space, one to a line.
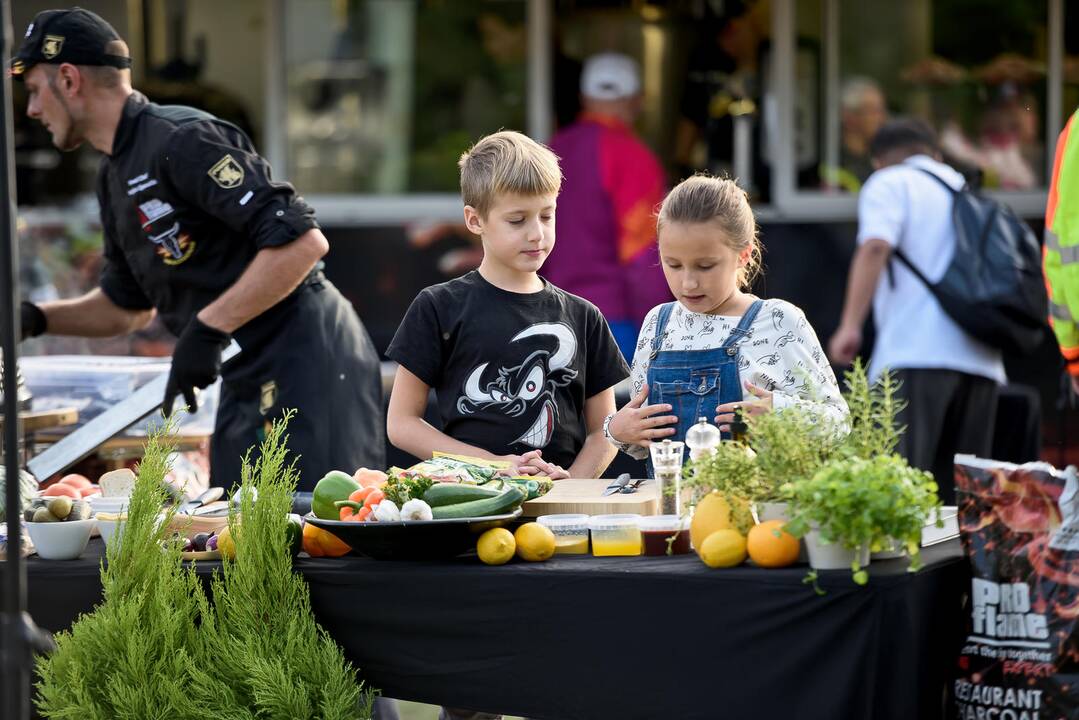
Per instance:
x=773, y=511
x=891, y=551
x=833, y=556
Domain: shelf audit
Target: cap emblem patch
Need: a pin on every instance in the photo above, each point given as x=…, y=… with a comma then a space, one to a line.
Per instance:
x=51, y=46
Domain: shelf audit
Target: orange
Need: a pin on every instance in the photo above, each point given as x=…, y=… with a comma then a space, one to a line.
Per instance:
x=770, y=546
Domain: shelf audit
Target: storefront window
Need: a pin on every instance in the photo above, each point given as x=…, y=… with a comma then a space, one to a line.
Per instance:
x=382, y=96
x=974, y=69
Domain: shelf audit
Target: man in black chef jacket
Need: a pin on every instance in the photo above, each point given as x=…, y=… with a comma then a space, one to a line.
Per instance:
x=198, y=232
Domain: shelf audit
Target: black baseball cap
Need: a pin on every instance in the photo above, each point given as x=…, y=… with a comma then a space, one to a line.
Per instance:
x=73, y=36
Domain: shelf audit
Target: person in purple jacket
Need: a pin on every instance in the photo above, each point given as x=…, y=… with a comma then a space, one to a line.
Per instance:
x=606, y=210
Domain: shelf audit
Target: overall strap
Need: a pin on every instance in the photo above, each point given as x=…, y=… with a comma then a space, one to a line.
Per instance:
x=742, y=331
x=665, y=311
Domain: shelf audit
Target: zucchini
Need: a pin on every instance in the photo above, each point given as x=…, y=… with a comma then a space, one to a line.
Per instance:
x=504, y=502
x=441, y=494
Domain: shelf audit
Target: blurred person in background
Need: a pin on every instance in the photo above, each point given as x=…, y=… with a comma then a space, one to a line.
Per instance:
x=606, y=250
x=948, y=379
x=862, y=112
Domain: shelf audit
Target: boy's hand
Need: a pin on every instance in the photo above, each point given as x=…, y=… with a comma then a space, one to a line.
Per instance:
x=539, y=466
x=532, y=463
x=763, y=404
x=521, y=464
x=638, y=425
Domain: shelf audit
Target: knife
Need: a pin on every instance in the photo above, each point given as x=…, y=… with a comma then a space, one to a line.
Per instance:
x=214, y=509
x=214, y=493
x=617, y=484
x=80, y=443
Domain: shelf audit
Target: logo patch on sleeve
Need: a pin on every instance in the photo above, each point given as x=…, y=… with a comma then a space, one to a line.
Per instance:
x=227, y=173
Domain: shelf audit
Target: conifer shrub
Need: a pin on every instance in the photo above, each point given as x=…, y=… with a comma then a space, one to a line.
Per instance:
x=156, y=647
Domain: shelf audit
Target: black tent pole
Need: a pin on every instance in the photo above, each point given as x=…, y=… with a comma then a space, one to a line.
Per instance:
x=18, y=634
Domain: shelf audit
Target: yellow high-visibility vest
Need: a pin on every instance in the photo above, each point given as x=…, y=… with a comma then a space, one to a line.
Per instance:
x=1061, y=252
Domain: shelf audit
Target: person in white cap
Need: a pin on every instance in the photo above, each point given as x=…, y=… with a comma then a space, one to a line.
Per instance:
x=606, y=250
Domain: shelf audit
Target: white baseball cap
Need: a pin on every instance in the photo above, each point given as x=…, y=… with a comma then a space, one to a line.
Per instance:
x=610, y=76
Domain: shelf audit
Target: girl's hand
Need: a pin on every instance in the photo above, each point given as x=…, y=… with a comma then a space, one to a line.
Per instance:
x=637, y=425
x=758, y=406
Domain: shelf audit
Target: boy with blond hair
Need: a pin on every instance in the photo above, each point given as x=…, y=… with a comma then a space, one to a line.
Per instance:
x=523, y=371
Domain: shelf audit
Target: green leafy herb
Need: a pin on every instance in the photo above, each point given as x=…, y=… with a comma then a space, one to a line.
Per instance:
x=791, y=446
x=403, y=486
x=732, y=470
x=874, y=408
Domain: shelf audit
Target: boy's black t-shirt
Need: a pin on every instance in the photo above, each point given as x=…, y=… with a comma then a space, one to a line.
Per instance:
x=512, y=371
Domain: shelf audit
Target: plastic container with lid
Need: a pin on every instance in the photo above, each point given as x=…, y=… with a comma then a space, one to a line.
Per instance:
x=615, y=535
x=570, y=533
x=656, y=534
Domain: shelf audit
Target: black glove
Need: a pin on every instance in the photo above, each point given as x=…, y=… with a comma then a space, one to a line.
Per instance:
x=32, y=320
x=196, y=362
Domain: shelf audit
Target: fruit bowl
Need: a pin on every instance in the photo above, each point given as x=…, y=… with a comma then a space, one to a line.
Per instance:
x=412, y=539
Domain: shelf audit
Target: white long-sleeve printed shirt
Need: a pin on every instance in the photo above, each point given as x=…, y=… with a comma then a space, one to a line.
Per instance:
x=782, y=354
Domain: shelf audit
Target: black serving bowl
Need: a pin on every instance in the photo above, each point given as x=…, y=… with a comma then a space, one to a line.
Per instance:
x=412, y=539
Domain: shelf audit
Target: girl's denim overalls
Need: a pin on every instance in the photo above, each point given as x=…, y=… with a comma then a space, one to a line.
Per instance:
x=695, y=382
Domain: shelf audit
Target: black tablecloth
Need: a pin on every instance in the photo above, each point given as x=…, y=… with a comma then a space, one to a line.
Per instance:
x=583, y=637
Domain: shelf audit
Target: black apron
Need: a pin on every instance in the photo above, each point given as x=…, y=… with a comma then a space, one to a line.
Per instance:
x=311, y=353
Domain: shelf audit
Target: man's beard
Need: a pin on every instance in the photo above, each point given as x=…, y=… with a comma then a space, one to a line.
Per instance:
x=70, y=140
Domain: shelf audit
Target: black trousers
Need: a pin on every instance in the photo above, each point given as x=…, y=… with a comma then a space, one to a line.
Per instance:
x=947, y=412
x=309, y=353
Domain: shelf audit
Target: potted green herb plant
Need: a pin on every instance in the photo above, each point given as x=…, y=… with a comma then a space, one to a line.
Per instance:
x=854, y=504
x=875, y=432
x=791, y=446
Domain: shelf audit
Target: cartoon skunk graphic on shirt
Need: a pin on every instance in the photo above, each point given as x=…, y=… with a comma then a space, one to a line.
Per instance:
x=526, y=389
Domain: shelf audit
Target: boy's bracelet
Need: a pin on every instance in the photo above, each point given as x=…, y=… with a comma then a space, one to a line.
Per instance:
x=624, y=447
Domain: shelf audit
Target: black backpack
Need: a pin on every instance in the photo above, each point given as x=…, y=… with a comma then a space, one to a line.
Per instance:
x=993, y=287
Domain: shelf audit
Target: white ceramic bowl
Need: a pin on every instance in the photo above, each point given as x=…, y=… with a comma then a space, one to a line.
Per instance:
x=111, y=529
x=110, y=505
x=60, y=540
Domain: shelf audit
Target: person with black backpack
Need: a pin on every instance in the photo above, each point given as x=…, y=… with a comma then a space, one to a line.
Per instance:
x=928, y=255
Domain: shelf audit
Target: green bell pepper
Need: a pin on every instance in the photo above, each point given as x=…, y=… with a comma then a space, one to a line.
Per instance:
x=335, y=486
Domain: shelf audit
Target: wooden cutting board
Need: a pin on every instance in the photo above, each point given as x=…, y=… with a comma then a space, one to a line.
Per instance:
x=586, y=496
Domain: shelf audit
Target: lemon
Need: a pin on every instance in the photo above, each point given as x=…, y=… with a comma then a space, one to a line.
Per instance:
x=496, y=546
x=712, y=513
x=535, y=542
x=225, y=544
x=723, y=548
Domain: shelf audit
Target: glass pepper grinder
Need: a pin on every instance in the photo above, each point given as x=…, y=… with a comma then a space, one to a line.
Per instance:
x=702, y=439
